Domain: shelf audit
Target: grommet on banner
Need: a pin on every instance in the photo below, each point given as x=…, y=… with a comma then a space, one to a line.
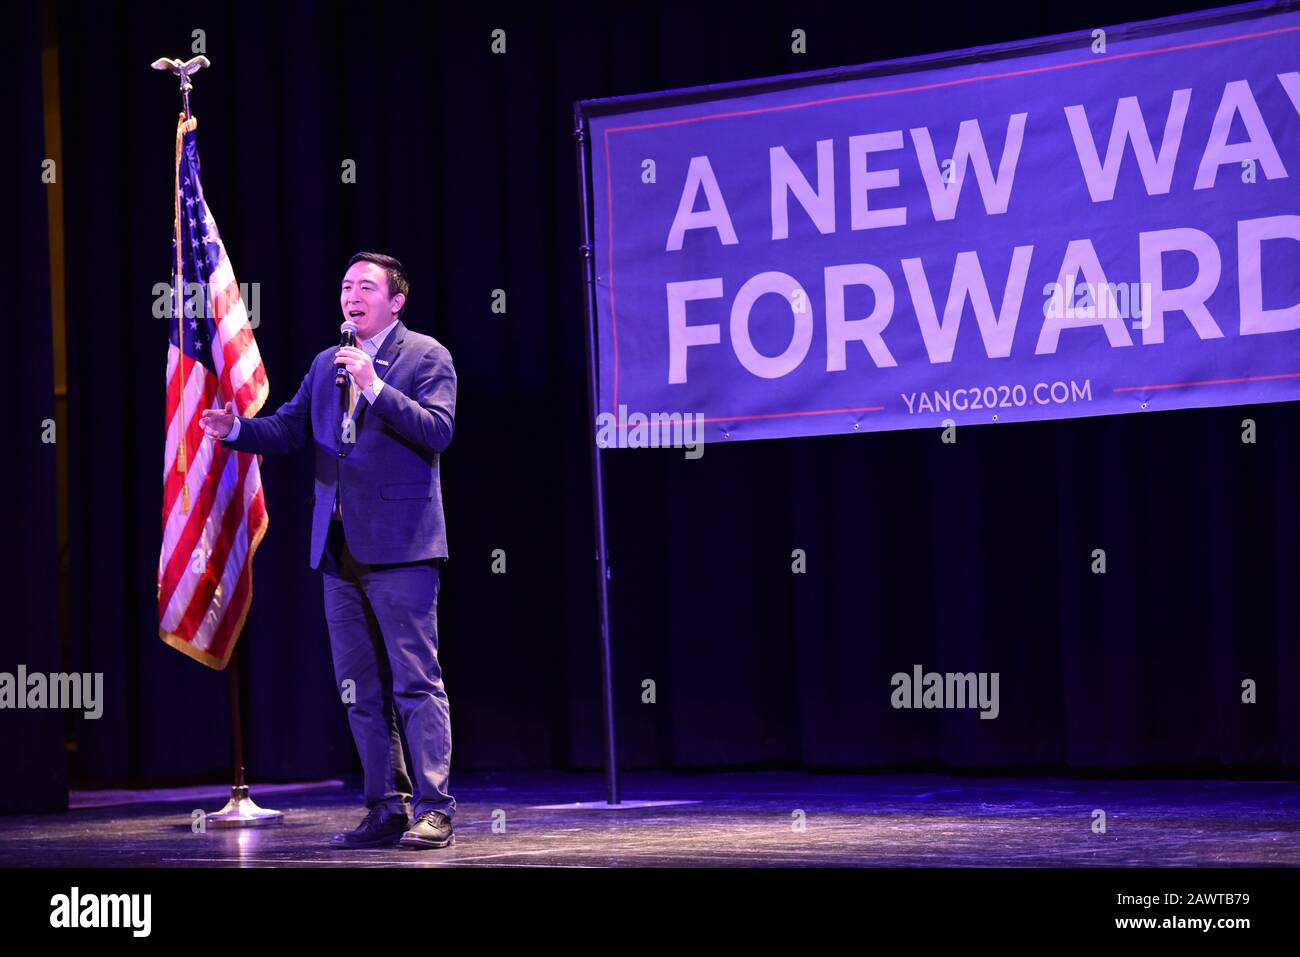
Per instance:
x=726, y=435
x=995, y=416
x=855, y=427
x=1144, y=405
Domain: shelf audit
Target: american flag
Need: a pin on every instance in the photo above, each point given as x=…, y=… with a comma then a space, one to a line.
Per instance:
x=214, y=511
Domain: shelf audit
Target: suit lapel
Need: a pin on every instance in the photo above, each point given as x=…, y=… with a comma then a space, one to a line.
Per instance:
x=388, y=353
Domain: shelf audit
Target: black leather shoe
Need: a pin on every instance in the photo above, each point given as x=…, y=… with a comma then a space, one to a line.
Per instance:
x=431, y=829
x=382, y=826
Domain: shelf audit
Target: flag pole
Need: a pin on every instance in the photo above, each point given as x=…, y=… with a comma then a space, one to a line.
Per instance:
x=240, y=810
x=182, y=70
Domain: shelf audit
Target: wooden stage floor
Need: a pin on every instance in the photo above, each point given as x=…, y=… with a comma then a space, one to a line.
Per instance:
x=737, y=819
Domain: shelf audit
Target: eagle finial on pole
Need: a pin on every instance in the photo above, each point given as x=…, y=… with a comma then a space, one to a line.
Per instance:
x=183, y=70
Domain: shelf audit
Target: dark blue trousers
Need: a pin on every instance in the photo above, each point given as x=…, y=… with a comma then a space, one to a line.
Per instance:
x=383, y=625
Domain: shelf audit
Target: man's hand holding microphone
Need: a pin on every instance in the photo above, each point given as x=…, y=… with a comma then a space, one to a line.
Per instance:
x=352, y=360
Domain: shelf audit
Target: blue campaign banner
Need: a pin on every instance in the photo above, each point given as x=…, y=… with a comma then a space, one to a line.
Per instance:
x=1086, y=224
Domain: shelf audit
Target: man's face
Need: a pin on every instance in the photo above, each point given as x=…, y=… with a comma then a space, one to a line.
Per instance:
x=365, y=299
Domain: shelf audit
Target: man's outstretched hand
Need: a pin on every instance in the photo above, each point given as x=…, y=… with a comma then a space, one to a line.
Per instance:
x=218, y=422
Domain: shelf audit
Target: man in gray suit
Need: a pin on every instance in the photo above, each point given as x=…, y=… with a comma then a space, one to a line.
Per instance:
x=378, y=536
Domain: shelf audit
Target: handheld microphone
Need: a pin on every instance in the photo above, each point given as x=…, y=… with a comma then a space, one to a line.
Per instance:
x=349, y=338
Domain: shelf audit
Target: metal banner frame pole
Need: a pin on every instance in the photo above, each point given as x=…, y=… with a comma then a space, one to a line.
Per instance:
x=587, y=262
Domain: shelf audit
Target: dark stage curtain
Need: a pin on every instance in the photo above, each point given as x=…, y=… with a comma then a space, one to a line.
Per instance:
x=972, y=557
x=33, y=765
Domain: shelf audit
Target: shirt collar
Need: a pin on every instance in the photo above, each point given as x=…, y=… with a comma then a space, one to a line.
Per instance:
x=377, y=340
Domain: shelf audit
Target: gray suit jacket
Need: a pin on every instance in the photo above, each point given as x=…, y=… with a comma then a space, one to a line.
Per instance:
x=387, y=479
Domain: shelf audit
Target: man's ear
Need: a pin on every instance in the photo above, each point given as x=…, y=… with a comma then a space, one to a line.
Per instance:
x=398, y=301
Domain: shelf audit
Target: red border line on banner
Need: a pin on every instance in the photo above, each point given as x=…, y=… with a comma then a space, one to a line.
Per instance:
x=1185, y=385
x=964, y=80
x=781, y=415
x=609, y=192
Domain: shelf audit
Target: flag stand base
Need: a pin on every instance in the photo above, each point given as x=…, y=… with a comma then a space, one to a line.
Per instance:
x=242, y=811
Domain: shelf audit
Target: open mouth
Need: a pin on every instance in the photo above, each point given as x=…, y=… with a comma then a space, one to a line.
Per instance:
x=356, y=313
